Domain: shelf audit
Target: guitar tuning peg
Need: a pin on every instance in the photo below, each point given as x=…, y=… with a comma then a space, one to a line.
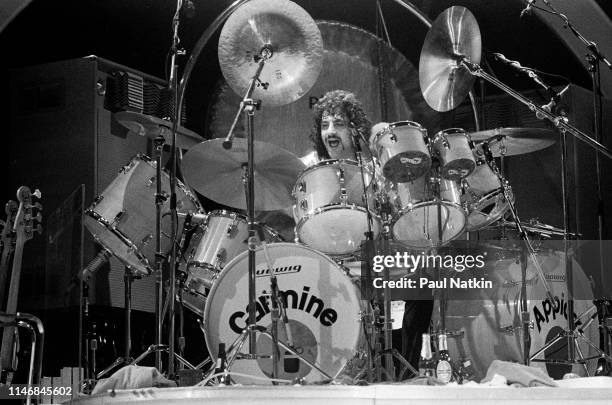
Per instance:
x=38, y=206
x=37, y=193
x=38, y=217
x=39, y=229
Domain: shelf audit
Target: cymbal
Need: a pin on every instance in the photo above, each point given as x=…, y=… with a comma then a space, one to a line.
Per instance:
x=444, y=81
x=514, y=141
x=152, y=127
x=296, y=46
x=216, y=173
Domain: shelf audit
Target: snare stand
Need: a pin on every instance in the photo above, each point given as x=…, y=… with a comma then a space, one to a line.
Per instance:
x=389, y=352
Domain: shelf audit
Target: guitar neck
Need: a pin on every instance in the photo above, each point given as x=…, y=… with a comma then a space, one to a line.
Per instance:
x=13, y=296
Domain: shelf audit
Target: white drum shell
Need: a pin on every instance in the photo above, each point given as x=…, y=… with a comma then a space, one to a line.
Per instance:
x=415, y=212
x=122, y=218
x=452, y=146
x=402, y=151
x=222, y=236
x=483, y=198
x=329, y=207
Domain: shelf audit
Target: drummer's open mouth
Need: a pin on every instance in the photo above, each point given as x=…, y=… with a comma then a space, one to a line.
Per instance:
x=333, y=142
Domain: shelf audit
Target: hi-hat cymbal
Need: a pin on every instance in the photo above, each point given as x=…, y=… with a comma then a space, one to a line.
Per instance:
x=514, y=141
x=152, y=127
x=444, y=81
x=286, y=36
x=217, y=173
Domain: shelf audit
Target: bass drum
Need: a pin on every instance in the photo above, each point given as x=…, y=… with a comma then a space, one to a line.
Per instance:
x=323, y=306
x=490, y=322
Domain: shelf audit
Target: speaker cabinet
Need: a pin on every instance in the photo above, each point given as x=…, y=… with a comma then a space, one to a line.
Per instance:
x=62, y=136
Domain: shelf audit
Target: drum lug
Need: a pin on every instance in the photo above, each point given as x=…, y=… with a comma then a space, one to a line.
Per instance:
x=146, y=240
x=221, y=258
x=304, y=205
x=510, y=329
x=302, y=187
x=97, y=200
x=231, y=230
x=119, y=216
x=343, y=194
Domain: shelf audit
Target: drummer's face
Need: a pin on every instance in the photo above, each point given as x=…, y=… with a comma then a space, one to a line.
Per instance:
x=336, y=136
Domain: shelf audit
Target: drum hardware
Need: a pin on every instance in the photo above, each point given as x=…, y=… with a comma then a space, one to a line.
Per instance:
x=302, y=54
x=153, y=127
x=388, y=351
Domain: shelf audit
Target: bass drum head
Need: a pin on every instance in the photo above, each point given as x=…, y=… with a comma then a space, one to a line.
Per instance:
x=323, y=307
x=491, y=325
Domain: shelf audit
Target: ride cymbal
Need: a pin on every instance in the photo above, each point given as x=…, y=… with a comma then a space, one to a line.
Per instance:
x=217, y=173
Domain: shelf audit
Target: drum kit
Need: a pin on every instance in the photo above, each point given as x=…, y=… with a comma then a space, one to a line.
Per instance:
x=417, y=191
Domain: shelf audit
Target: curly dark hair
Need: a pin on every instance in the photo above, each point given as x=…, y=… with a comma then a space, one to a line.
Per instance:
x=338, y=101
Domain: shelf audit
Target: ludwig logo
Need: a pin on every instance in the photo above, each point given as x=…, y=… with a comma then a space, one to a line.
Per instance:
x=265, y=271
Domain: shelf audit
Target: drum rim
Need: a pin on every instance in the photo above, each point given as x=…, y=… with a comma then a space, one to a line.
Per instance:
x=456, y=131
x=151, y=162
x=398, y=124
x=331, y=207
x=215, y=287
x=329, y=162
x=403, y=211
x=130, y=245
x=236, y=215
x=490, y=194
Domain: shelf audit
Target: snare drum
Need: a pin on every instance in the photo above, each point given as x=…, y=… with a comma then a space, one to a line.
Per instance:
x=323, y=306
x=329, y=206
x=483, y=197
x=402, y=151
x=454, y=150
x=122, y=218
x=222, y=236
x=419, y=206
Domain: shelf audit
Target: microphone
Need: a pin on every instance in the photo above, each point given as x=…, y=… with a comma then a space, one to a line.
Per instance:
x=527, y=9
x=500, y=57
x=553, y=102
x=89, y=270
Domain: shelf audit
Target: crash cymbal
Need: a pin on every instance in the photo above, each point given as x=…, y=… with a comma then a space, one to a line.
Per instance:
x=217, y=173
x=283, y=33
x=152, y=127
x=444, y=81
x=514, y=141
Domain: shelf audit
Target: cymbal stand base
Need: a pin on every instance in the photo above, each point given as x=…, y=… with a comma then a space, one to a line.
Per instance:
x=234, y=353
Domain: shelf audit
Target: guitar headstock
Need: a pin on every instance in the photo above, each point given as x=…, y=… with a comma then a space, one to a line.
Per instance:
x=28, y=218
x=7, y=226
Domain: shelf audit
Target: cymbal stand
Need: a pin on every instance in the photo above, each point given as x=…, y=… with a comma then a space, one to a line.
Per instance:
x=594, y=59
x=524, y=309
x=249, y=106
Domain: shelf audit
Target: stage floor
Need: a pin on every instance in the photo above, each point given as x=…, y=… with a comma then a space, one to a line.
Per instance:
x=594, y=390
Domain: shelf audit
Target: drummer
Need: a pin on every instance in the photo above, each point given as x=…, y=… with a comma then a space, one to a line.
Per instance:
x=338, y=117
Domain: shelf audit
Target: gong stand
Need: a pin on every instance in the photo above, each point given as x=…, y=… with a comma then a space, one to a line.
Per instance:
x=249, y=106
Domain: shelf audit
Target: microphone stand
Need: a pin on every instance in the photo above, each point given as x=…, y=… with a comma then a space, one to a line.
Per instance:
x=594, y=58
x=389, y=352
